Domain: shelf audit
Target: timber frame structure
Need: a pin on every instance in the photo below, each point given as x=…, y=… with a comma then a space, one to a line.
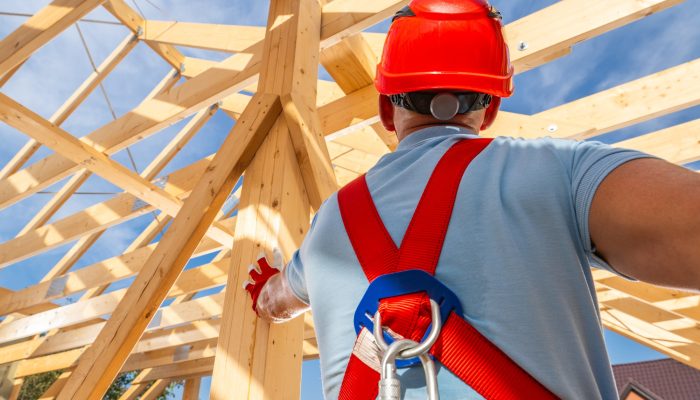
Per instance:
x=296, y=139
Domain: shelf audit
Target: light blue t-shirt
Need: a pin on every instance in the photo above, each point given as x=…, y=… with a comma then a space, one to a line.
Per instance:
x=517, y=254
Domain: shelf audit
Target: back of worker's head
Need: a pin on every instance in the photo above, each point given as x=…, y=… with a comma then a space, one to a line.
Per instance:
x=444, y=59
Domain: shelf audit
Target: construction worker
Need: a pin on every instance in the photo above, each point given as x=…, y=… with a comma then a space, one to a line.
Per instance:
x=461, y=265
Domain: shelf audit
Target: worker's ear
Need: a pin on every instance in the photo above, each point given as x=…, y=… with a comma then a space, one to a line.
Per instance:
x=386, y=112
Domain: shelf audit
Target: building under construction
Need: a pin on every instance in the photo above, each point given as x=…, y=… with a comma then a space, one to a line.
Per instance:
x=295, y=139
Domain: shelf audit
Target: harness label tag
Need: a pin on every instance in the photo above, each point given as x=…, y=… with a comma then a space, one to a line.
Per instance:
x=367, y=350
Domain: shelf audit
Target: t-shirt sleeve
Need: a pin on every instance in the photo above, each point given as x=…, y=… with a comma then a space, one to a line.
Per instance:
x=295, y=268
x=591, y=162
x=295, y=276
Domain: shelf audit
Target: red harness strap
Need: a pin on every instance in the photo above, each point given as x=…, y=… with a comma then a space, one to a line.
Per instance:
x=460, y=347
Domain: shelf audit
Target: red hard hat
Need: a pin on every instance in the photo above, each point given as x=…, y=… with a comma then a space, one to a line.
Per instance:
x=447, y=44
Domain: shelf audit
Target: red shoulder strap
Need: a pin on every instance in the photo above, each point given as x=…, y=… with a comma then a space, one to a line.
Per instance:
x=422, y=243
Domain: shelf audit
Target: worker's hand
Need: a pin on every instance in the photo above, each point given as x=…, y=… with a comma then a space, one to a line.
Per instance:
x=260, y=274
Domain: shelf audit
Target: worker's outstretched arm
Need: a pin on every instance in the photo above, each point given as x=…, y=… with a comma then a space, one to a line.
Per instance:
x=645, y=222
x=273, y=298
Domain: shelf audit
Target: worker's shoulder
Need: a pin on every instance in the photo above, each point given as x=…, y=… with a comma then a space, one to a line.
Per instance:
x=543, y=148
x=543, y=143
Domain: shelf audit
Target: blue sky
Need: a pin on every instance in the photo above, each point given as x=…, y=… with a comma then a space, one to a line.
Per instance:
x=49, y=77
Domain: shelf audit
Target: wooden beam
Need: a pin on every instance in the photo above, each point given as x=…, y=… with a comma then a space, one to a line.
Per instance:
x=95, y=218
x=103, y=273
x=217, y=37
x=7, y=379
x=564, y=24
x=134, y=390
x=127, y=16
x=295, y=76
x=674, y=346
x=89, y=309
x=191, y=391
x=9, y=74
x=70, y=105
x=38, y=30
x=352, y=64
x=678, y=144
x=85, y=335
x=155, y=390
x=83, y=154
x=101, y=363
x=172, y=355
x=193, y=368
x=254, y=359
x=649, y=97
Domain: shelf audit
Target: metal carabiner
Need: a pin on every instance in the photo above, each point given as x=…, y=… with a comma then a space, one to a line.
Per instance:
x=389, y=383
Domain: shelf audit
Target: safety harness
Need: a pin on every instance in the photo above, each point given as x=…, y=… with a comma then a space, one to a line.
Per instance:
x=402, y=285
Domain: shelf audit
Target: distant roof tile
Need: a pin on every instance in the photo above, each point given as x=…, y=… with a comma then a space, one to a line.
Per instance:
x=666, y=378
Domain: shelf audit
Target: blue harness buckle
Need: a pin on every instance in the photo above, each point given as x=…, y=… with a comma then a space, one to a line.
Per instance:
x=397, y=284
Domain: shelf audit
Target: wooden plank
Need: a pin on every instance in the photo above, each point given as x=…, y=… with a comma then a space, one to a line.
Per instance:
x=156, y=390
x=191, y=391
x=218, y=37
x=674, y=346
x=156, y=347
x=38, y=30
x=352, y=64
x=175, y=315
x=95, y=218
x=566, y=23
x=85, y=335
x=173, y=355
x=649, y=97
x=53, y=390
x=193, y=368
x=7, y=379
x=89, y=309
x=9, y=74
x=134, y=390
x=343, y=18
x=678, y=144
x=101, y=363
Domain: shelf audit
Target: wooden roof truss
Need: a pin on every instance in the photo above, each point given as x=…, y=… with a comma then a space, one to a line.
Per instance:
x=296, y=139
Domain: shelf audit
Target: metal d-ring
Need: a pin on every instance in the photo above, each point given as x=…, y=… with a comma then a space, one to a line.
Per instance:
x=424, y=346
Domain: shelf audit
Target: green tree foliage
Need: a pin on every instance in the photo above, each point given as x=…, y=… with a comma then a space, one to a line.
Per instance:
x=34, y=386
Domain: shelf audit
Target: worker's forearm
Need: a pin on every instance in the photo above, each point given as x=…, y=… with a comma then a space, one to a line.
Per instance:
x=277, y=303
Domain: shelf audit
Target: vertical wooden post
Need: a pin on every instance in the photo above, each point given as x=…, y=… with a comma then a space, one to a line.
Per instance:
x=7, y=379
x=256, y=360
x=191, y=391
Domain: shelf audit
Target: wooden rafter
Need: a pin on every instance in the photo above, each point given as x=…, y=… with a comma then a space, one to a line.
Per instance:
x=46, y=24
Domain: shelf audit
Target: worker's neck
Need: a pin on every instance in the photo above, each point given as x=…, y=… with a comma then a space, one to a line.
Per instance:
x=405, y=132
